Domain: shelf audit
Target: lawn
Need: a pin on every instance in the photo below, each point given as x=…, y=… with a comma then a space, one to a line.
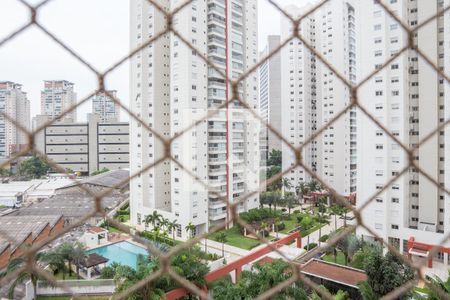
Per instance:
x=290, y=224
x=311, y=230
x=235, y=238
x=59, y=276
x=340, y=259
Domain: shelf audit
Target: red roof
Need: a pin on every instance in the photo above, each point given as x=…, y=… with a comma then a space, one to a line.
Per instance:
x=95, y=229
x=334, y=272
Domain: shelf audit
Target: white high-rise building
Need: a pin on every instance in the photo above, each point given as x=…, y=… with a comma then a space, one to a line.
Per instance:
x=57, y=97
x=104, y=106
x=410, y=99
x=171, y=87
x=270, y=97
x=312, y=95
x=15, y=104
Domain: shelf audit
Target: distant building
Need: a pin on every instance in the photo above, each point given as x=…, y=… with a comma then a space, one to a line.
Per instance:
x=104, y=106
x=24, y=232
x=74, y=202
x=84, y=147
x=312, y=95
x=14, y=103
x=57, y=97
x=270, y=98
x=170, y=88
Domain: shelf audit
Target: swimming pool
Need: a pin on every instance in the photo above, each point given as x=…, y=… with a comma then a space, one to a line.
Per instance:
x=124, y=253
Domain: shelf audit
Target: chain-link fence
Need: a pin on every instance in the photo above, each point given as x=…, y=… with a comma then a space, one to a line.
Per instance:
x=164, y=258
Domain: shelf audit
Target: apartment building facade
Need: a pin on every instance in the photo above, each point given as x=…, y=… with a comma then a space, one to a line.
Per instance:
x=57, y=97
x=105, y=107
x=172, y=87
x=270, y=98
x=15, y=104
x=410, y=99
x=312, y=95
x=84, y=147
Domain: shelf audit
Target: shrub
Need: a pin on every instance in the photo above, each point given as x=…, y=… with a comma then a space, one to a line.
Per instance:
x=310, y=246
x=296, y=211
x=324, y=238
x=284, y=210
x=259, y=214
x=151, y=236
x=280, y=226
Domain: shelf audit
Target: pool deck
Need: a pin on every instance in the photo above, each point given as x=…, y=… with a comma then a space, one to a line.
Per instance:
x=114, y=238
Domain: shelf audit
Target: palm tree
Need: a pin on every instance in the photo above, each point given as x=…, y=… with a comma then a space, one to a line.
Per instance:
x=222, y=238
x=190, y=228
x=301, y=189
x=336, y=210
x=286, y=184
x=289, y=199
x=172, y=226
x=263, y=226
x=321, y=219
x=349, y=245
x=66, y=251
x=313, y=185
x=56, y=261
x=276, y=199
x=153, y=219
x=78, y=256
x=16, y=264
x=164, y=223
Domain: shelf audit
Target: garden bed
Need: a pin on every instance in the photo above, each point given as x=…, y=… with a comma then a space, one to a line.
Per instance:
x=236, y=239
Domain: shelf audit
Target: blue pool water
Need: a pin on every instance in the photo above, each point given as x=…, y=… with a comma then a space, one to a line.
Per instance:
x=124, y=253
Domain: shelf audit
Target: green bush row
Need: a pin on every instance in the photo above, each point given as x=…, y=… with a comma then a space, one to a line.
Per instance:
x=259, y=214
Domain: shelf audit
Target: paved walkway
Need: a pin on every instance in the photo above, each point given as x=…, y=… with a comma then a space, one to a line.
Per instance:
x=232, y=253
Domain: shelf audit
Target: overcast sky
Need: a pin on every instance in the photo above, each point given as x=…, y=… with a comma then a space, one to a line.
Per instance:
x=98, y=30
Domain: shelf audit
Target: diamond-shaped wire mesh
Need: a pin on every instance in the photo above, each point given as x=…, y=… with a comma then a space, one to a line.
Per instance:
x=29, y=254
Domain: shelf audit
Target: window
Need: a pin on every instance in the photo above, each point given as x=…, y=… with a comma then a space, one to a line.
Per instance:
x=395, y=200
x=377, y=27
x=393, y=226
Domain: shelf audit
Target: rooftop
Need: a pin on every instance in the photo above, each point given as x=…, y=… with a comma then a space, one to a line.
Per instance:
x=16, y=229
x=333, y=272
x=71, y=205
x=93, y=260
x=114, y=178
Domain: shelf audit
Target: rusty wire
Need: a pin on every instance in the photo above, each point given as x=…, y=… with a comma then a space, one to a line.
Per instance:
x=164, y=258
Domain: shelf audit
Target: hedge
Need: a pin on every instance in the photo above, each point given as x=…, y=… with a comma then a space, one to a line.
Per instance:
x=324, y=238
x=151, y=236
x=311, y=246
x=280, y=226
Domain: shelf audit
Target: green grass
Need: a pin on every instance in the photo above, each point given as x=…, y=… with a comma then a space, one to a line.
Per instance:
x=290, y=224
x=59, y=276
x=114, y=229
x=236, y=239
x=340, y=259
x=311, y=230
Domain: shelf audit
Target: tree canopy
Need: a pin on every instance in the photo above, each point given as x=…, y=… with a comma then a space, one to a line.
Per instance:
x=274, y=158
x=385, y=273
x=34, y=167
